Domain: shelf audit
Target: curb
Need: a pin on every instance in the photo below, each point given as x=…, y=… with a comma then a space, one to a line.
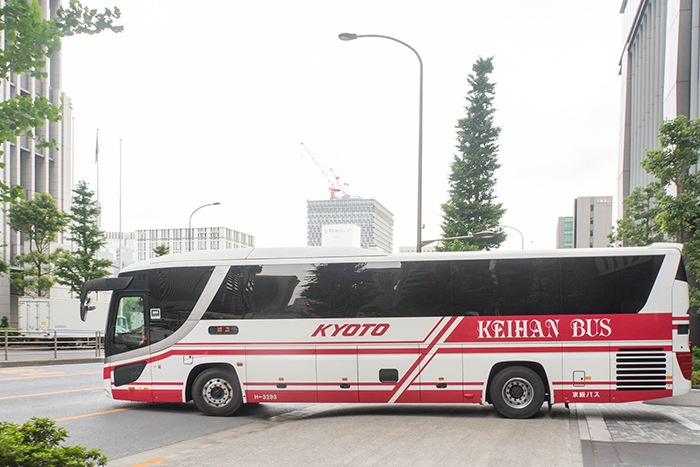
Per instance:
x=56, y=361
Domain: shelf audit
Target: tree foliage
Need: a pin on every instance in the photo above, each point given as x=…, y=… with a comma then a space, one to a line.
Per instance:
x=40, y=221
x=471, y=207
x=37, y=443
x=669, y=208
x=29, y=41
x=81, y=264
x=161, y=250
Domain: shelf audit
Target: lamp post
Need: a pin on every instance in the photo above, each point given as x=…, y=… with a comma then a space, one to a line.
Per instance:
x=522, y=237
x=346, y=36
x=189, y=226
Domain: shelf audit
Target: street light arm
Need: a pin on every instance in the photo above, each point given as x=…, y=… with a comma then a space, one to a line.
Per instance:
x=522, y=237
x=189, y=225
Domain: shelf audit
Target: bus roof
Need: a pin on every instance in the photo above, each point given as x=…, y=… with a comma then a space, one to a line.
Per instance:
x=334, y=254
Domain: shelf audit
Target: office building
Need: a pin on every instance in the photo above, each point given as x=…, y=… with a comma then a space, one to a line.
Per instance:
x=659, y=66
x=592, y=221
x=565, y=232
x=376, y=222
x=27, y=164
x=195, y=239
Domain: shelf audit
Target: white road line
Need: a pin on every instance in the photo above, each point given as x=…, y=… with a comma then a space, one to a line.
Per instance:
x=685, y=422
x=597, y=429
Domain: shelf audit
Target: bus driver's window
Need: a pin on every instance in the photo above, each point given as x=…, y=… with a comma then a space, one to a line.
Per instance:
x=130, y=331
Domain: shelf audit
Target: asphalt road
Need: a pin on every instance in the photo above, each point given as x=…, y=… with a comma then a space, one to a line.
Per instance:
x=72, y=395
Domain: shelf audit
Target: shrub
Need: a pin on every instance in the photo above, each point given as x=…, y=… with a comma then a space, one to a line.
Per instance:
x=36, y=444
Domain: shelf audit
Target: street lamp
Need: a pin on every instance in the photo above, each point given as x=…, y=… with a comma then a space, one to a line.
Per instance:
x=346, y=36
x=189, y=227
x=522, y=237
x=475, y=236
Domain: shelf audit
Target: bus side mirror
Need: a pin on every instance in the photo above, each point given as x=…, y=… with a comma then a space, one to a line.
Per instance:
x=85, y=307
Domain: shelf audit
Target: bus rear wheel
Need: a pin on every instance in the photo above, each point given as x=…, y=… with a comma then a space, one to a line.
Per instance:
x=517, y=392
x=217, y=392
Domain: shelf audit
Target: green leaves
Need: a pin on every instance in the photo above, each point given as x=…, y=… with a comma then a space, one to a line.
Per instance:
x=29, y=41
x=75, y=267
x=40, y=220
x=670, y=207
x=471, y=206
x=37, y=443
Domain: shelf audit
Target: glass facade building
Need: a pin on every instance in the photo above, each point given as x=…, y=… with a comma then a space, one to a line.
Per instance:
x=375, y=221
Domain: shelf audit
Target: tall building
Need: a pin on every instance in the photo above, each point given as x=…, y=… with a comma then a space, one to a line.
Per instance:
x=660, y=79
x=36, y=169
x=565, y=232
x=182, y=240
x=375, y=221
x=592, y=221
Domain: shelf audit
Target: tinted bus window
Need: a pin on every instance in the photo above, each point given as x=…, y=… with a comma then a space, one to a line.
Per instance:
x=234, y=299
x=173, y=292
x=422, y=289
x=506, y=287
x=608, y=284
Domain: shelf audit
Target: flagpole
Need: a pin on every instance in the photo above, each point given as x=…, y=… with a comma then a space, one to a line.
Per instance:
x=97, y=168
x=121, y=236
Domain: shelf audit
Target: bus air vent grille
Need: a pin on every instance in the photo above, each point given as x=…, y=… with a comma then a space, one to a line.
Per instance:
x=640, y=369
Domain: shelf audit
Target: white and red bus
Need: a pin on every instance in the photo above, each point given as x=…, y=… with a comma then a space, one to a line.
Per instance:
x=514, y=329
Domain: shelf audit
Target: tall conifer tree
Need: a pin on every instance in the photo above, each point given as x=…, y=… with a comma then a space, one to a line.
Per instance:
x=472, y=206
x=75, y=267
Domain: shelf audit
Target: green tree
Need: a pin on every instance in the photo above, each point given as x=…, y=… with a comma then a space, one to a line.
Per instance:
x=161, y=250
x=37, y=443
x=471, y=207
x=640, y=225
x=670, y=206
x=40, y=221
x=29, y=41
x=75, y=267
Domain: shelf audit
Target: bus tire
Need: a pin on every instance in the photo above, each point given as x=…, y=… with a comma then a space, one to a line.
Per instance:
x=216, y=392
x=517, y=392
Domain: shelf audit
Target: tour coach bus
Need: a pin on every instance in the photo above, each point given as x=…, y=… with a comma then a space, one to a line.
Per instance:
x=513, y=329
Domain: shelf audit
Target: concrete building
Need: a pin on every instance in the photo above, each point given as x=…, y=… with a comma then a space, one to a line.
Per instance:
x=182, y=240
x=121, y=249
x=592, y=221
x=660, y=73
x=565, y=232
x=36, y=169
x=375, y=221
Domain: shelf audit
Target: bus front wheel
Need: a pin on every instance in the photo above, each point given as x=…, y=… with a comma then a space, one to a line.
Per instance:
x=217, y=392
x=517, y=392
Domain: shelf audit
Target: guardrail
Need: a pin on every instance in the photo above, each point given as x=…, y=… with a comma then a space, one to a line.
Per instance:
x=26, y=345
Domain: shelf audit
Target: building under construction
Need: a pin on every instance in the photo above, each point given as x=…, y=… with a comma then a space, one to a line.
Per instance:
x=376, y=222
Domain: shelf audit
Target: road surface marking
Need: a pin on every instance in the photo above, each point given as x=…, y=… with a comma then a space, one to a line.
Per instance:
x=151, y=462
x=48, y=375
x=683, y=421
x=93, y=414
x=50, y=393
x=597, y=429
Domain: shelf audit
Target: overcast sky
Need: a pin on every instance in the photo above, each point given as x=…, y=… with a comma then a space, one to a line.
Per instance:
x=212, y=101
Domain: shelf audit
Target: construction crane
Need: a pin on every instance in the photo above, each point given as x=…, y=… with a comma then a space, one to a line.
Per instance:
x=335, y=186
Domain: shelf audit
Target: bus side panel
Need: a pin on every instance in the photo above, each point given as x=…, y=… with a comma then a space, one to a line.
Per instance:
x=169, y=377
x=585, y=373
x=441, y=377
x=336, y=368
x=388, y=373
x=280, y=373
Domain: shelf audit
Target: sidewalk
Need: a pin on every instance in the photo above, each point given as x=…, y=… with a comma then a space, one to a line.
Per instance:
x=46, y=357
